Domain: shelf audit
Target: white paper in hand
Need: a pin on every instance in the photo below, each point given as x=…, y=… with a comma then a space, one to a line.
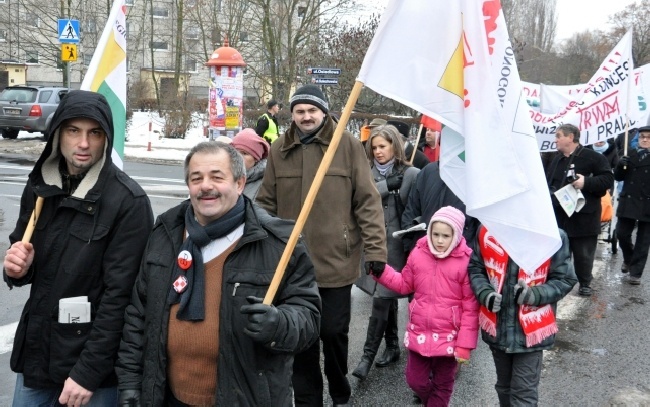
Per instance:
x=570, y=199
x=74, y=310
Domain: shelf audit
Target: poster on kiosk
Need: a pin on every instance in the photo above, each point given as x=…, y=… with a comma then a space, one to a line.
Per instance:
x=226, y=107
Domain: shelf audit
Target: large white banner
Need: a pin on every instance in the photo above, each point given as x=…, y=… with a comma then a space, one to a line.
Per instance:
x=604, y=106
x=554, y=98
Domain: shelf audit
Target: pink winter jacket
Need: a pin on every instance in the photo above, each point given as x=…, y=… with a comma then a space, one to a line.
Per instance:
x=444, y=312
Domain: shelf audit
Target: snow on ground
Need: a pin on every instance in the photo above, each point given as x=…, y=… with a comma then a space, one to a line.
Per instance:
x=139, y=138
x=161, y=148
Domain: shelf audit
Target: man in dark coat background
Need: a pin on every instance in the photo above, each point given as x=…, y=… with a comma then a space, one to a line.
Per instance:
x=429, y=194
x=593, y=176
x=634, y=207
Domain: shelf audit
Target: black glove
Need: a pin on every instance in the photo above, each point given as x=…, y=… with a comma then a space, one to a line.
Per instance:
x=263, y=320
x=375, y=267
x=394, y=181
x=129, y=398
x=493, y=302
x=523, y=293
x=624, y=161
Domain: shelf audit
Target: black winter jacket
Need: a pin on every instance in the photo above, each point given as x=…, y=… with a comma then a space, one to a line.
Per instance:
x=598, y=179
x=89, y=244
x=429, y=194
x=250, y=374
x=634, y=200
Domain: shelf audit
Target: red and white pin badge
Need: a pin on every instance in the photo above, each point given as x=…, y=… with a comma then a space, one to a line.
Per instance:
x=184, y=260
x=180, y=284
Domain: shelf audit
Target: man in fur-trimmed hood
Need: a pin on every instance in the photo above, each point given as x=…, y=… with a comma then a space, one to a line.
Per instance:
x=88, y=241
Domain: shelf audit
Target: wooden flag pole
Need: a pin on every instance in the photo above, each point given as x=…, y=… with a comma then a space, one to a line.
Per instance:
x=32, y=220
x=627, y=129
x=313, y=190
x=415, y=147
x=627, y=122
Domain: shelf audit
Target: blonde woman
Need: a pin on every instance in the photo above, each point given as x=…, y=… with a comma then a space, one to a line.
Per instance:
x=393, y=176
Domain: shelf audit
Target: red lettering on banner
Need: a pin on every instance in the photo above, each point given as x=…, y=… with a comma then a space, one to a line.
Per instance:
x=542, y=118
x=467, y=53
x=600, y=111
x=532, y=92
x=491, y=10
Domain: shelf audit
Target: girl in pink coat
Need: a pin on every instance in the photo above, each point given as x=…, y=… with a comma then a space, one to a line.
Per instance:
x=443, y=315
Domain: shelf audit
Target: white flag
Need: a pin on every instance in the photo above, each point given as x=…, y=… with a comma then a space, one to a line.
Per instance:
x=453, y=62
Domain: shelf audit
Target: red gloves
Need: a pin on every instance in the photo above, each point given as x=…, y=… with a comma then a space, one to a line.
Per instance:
x=462, y=354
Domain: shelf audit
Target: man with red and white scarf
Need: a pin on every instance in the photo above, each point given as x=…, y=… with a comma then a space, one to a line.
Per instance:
x=517, y=315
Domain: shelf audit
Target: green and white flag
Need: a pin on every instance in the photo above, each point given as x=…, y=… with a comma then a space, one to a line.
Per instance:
x=107, y=74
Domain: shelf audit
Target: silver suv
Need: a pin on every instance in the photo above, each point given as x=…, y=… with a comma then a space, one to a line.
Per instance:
x=28, y=108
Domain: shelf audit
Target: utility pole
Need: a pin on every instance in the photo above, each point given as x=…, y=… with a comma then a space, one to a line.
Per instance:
x=67, y=64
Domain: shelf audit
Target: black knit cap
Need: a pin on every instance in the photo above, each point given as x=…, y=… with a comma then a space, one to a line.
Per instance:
x=403, y=128
x=312, y=95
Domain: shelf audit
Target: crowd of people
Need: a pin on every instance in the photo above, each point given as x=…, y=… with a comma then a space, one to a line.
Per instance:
x=176, y=314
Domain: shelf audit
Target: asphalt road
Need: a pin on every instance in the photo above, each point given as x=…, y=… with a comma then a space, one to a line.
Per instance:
x=598, y=360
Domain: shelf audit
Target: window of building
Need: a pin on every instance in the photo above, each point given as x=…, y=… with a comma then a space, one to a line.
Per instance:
x=192, y=33
x=160, y=12
x=302, y=11
x=31, y=57
x=190, y=64
x=32, y=20
x=159, y=45
x=243, y=36
x=88, y=25
x=3, y=35
x=129, y=2
x=87, y=58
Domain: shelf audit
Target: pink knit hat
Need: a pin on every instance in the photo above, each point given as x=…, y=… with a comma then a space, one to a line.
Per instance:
x=452, y=217
x=248, y=141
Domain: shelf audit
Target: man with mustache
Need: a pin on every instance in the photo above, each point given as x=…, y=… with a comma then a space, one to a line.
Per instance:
x=346, y=219
x=196, y=332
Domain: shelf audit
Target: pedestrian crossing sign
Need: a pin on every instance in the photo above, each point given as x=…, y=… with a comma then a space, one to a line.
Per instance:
x=68, y=31
x=68, y=52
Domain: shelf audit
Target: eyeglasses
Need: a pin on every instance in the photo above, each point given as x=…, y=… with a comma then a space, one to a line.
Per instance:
x=644, y=136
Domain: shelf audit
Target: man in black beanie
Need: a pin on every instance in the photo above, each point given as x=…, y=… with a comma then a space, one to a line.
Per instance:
x=346, y=218
x=420, y=160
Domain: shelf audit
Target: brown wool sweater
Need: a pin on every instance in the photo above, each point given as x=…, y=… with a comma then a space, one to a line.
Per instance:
x=193, y=347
